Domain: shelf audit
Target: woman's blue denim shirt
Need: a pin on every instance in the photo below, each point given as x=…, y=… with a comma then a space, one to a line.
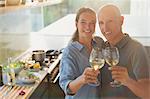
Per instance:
x=74, y=60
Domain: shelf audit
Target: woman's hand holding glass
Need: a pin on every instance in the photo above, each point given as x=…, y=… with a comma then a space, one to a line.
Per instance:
x=89, y=75
x=97, y=62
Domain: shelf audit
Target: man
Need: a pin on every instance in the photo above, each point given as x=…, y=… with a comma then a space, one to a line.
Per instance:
x=133, y=67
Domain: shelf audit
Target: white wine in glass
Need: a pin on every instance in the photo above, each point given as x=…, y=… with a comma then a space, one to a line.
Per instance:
x=111, y=55
x=97, y=62
x=112, y=62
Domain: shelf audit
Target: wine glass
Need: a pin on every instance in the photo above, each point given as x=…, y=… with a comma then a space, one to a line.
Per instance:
x=8, y=77
x=11, y=73
x=111, y=55
x=96, y=61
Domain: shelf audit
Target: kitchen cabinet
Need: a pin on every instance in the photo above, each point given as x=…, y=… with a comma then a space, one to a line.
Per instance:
x=47, y=90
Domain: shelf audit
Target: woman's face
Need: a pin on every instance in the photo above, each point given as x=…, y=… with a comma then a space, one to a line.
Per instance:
x=86, y=25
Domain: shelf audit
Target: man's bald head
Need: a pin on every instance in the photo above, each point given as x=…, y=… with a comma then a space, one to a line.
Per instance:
x=110, y=10
x=110, y=23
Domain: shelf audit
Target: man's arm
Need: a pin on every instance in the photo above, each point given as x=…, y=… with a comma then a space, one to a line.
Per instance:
x=141, y=87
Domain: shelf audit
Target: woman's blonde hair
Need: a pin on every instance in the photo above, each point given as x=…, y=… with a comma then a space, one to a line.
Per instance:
x=75, y=36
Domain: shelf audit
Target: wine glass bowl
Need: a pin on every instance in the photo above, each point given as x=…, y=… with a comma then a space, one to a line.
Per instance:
x=96, y=61
x=111, y=55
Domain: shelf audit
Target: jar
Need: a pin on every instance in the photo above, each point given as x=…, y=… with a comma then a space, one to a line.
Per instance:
x=40, y=0
x=8, y=75
x=2, y=3
x=23, y=2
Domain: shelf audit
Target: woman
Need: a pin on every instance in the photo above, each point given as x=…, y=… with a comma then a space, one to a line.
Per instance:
x=75, y=71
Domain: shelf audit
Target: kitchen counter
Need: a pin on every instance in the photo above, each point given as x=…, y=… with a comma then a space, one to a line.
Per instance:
x=13, y=93
x=6, y=92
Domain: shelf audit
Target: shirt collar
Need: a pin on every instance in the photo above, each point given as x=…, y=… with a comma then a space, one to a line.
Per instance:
x=78, y=45
x=123, y=41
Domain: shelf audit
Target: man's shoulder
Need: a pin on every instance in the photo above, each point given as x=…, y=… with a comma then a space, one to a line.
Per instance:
x=135, y=43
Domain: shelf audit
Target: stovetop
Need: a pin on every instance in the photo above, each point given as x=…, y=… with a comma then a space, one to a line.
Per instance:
x=51, y=56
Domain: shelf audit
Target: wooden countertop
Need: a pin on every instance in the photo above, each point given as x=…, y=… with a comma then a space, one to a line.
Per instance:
x=7, y=92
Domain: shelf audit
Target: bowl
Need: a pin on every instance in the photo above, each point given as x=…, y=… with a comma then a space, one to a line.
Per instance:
x=17, y=69
x=27, y=77
x=17, y=66
x=35, y=70
x=38, y=55
x=27, y=80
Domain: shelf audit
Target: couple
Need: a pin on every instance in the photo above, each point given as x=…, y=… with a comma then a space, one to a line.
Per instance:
x=76, y=72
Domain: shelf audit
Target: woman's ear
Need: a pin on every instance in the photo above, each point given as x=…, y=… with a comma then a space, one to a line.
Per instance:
x=76, y=24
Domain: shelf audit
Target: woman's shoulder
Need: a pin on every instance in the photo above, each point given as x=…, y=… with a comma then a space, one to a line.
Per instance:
x=70, y=48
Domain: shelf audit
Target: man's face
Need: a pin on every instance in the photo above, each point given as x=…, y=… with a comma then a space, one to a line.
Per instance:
x=110, y=24
x=86, y=25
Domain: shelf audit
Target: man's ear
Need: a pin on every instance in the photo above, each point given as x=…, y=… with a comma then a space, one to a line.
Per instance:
x=122, y=20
